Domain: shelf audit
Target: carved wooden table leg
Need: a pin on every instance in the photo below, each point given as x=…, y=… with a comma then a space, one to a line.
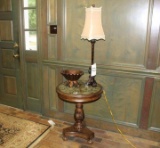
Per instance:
x=79, y=94
x=78, y=129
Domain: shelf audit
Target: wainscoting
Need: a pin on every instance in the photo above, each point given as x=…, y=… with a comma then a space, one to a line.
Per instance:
x=127, y=63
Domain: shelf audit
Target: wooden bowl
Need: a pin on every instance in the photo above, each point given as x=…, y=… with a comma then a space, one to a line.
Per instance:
x=72, y=76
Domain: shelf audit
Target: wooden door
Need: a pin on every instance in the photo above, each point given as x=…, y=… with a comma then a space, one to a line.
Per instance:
x=23, y=46
x=10, y=80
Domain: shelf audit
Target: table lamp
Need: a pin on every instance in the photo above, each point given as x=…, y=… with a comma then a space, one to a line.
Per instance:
x=92, y=32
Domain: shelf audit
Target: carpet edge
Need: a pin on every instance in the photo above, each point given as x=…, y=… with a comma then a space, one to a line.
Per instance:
x=36, y=141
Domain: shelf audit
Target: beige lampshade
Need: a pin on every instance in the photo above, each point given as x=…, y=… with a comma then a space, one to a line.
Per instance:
x=93, y=24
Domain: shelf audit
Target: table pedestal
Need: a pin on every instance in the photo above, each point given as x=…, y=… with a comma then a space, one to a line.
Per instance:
x=79, y=129
x=79, y=96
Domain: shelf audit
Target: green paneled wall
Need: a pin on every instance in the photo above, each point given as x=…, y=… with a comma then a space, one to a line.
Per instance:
x=122, y=61
x=124, y=26
x=125, y=98
x=155, y=109
x=52, y=88
x=33, y=101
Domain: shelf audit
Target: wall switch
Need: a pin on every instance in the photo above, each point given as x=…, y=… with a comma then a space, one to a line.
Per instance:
x=53, y=29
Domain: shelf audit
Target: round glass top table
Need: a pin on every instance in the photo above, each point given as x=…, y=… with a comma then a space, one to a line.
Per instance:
x=79, y=95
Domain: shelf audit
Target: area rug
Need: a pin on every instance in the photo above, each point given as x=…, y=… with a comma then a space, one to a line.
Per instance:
x=19, y=133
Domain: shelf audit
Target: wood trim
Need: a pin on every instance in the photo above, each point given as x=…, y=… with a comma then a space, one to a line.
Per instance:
x=59, y=80
x=150, y=135
x=60, y=28
x=154, y=37
x=6, y=5
x=43, y=28
x=146, y=103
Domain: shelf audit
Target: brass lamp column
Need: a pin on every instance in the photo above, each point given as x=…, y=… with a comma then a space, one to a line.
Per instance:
x=92, y=32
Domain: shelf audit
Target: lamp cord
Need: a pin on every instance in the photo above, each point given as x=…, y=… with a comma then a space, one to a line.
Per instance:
x=109, y=108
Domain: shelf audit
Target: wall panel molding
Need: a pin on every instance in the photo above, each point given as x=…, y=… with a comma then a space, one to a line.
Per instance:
x=125, y=96
x=153, y=51
x=6, y=30
x=123, y=88
x=32, y=83
x=154, y=120
x=49, y=87
x=125, y=42
x=52, y=86
x=52, y=11
x=5, y=5
x=10, y=85
x=146, y=103
x=7, y=59
x=127, y=63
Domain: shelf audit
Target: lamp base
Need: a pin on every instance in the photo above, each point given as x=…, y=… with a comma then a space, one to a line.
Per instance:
x=91, y=81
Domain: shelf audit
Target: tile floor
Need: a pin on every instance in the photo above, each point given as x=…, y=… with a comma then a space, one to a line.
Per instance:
x=103, y=139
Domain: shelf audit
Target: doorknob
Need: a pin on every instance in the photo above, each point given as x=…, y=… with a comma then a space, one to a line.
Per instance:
x=16, y=56
x=15, y=45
